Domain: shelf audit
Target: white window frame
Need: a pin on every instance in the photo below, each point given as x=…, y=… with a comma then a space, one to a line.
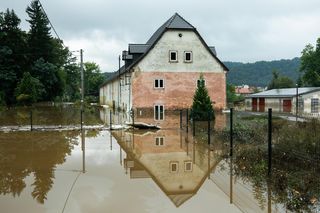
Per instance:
x=314, y=105
x=185, y=57
x=185, y=166
x=157, y=116
x=177, y=166
x=158, y=80
x=173, y=51
x=159, y=141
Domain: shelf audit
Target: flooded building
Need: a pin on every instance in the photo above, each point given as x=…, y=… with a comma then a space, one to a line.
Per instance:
x=163, y=73
x=285, y=100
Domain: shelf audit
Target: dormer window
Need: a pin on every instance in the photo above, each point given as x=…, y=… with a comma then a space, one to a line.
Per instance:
x=188, y=56
x=173, y=56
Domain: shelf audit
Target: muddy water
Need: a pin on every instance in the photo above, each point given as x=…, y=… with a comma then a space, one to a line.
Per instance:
x=49, y=115
x=101, y=172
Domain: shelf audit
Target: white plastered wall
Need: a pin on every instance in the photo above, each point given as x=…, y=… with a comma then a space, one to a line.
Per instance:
x=158, y=58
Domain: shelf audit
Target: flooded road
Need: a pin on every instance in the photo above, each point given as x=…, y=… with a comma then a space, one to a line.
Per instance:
x=65, y=172
x=166, y=170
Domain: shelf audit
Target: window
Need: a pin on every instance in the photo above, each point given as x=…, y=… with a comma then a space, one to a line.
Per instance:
x=158, y=112
x=187, y=166
x=314, y=105
x=173, y=56
x=158, y=83
x=174, y=166
x=201, y=81
x=159, y=141
x=188, y=56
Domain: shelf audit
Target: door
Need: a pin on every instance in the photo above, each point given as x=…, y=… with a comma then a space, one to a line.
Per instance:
x=254, y=104
x=261, y=104
x=286, y=105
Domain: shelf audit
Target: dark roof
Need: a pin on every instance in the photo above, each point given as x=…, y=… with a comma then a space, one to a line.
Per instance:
x=284, y=93
x=213, y=50
x=138, y=48
x=173, y=23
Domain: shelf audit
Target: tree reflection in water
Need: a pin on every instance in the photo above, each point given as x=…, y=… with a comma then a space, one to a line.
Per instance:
x=294, y=183
x=37, y=153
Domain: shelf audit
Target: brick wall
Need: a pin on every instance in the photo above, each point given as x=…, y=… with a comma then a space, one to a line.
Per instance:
x=178, y=91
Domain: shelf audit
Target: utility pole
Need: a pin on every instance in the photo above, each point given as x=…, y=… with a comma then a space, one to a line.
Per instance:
x=82, y=85
x=297, y=102
x=119, y=92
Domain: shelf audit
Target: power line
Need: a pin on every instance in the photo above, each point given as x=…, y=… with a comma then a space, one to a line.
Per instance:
x=54, y=30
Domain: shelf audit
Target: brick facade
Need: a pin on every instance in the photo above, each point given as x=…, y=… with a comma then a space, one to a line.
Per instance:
x=178, y=91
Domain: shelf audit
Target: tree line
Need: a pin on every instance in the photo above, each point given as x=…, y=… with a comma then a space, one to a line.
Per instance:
x=35, y=66
x=302, y=72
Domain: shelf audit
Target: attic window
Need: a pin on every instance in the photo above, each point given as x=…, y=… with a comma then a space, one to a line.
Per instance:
x=173, y=56
x=188, y=56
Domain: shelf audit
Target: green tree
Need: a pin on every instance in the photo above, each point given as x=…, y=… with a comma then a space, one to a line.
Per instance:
x=310, y=64
x=279, y=82
x=29, y=89
x=50, y=77
x=202, y=104
x=12, y=61
x=72, y=86
x=231, y=94
x=39, y=38
x=93, y=78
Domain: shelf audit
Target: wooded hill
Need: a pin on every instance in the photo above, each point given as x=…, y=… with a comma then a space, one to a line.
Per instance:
x=260, y=72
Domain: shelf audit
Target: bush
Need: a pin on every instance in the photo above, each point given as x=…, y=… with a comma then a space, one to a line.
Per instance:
x=29, y=89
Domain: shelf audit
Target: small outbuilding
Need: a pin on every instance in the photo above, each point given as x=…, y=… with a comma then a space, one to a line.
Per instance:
x=304, y=100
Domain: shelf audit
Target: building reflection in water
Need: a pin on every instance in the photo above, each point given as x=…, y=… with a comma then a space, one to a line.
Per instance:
x=175, y=161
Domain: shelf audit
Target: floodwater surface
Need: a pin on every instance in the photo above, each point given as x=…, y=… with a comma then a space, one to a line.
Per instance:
x=95, y=171
x=172, y=169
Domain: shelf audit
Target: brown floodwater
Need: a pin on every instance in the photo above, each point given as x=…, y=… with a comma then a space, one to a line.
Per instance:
x=67, y=171
x=49, y=115
x=166, y=170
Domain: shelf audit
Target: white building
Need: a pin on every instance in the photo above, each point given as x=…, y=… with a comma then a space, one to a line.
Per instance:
x=163, y=73
x=284, y=100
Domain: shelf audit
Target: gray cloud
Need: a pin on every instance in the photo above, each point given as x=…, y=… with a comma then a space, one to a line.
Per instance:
x=247, y=30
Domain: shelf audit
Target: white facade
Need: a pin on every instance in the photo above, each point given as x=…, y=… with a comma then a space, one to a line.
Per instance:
x=158, y=58
x=110, y=95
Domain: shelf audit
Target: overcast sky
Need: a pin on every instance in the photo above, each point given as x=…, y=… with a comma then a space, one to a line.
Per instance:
x=241, y=30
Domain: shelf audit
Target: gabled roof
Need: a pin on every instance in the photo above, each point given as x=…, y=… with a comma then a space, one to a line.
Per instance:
x=176, y=22
x=284, y=93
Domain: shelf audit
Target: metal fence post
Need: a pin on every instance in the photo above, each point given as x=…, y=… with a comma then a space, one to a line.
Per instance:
x=81, y=119
x=269, y=140
x=194, y=127
x=187, y=120
x=110, y=122
x=31, y=121
x=133, y=117
x=209, y=127
x=180, y=119
x=231, y=132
